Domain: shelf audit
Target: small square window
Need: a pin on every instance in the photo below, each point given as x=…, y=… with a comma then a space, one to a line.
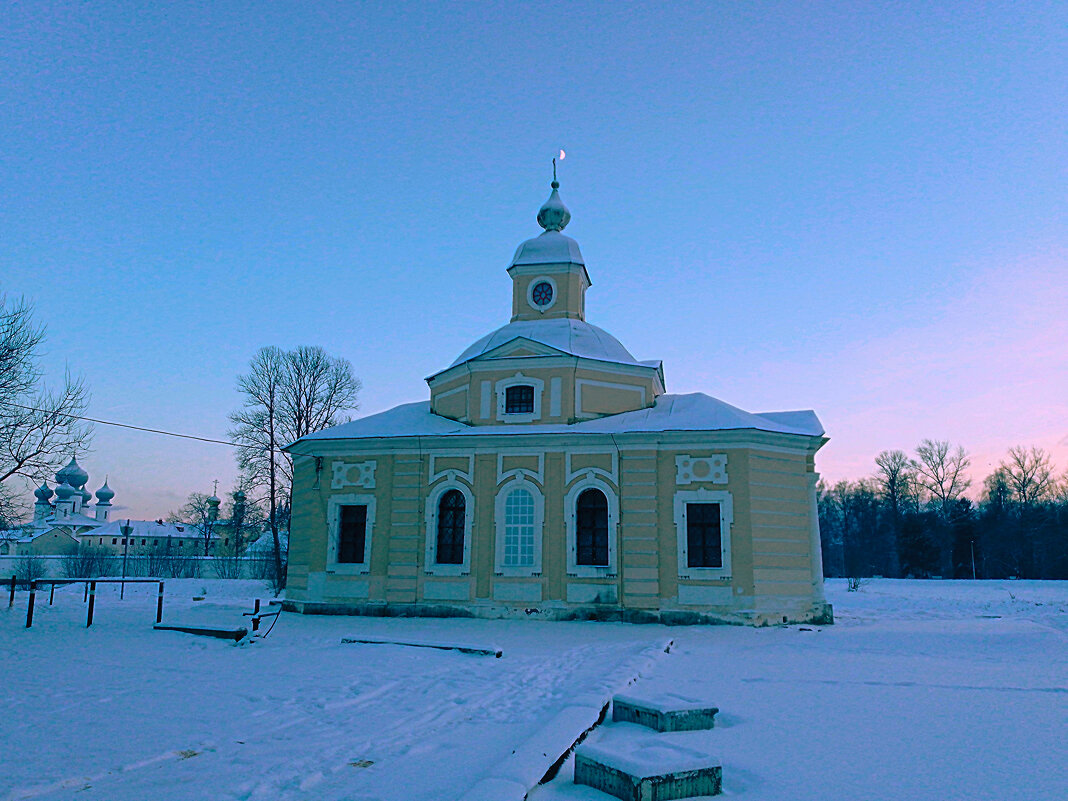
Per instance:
x=519, y=399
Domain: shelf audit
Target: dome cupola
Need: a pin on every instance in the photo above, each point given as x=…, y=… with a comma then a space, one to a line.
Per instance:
x=553, y=215
x=64, y=491
x=104, y=494
x=72, y=474
x=43, y=493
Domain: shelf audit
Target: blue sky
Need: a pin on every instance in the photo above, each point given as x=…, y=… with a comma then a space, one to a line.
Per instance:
x=856, y=208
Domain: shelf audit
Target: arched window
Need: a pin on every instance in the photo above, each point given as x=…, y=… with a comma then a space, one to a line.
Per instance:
x=591, y=530
x=519, y=529
x=450, y=543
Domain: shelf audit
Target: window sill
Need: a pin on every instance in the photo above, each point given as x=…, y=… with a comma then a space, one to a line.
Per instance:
x=448, y=570
x=591, y=571
x=344, y=569
x=705, y=574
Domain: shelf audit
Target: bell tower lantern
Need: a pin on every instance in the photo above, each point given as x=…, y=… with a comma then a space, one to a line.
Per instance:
x=549, y=278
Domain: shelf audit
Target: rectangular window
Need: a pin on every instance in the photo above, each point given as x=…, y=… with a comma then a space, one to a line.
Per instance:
x=142, y=542
x=519, y=529
x=114, y=540
x=704, y=543
x=519, y=399
x=352, y=534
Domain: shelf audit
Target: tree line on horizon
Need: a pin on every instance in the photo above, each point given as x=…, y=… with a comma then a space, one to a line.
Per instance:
x=911, y=518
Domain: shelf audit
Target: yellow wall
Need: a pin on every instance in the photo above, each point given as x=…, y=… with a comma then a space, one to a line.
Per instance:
x=600, y=392
x=772, y=568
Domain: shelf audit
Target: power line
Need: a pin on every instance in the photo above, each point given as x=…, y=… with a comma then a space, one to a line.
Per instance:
x=127, y=425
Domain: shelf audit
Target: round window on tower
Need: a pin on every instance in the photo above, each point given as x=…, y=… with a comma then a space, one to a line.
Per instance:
x=542, y=294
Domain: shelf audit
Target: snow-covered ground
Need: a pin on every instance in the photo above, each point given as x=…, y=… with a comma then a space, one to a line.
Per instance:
x=938, y=690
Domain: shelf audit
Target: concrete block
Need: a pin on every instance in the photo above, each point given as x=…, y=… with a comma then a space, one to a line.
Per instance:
x=665, y=711
x=643, y=767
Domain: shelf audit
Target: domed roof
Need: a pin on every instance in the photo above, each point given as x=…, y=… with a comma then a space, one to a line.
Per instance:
x=43, y=493
x=64, y=491
x=104, y=494
x=553, y=214
x=72, y=474
x=574, y=337
x=551, y=247
x=87, y=496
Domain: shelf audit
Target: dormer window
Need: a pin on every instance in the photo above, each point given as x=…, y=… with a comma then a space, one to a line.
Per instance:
x=519, y=399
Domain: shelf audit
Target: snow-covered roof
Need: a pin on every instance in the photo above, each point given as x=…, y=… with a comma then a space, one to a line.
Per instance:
x=573, y=337
x=550, y=247
x=693, y=412
x=147, y=528
x=75, y=519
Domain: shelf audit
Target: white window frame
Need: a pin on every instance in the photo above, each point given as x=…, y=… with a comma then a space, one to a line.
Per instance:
x=548, y=279
x=501, y=388
x=499, y=526
x=571, y=518
x=726, y=517
x=430, y=565
x=333, y=512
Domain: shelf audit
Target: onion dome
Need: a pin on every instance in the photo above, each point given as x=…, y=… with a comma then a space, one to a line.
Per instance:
x=214, y=501
x=43, y=493
x=64, y=491
x=553, y=215
x=239, y=496
x=72, y=474
x=104, y=494
x=87, y=496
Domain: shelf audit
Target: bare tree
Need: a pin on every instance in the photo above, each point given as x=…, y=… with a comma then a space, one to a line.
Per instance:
x=288, y=394
x=941, y=470
x=256, y=430
x=39, y=427
x=1029, y=474
x=201, y=513
x=896, y=478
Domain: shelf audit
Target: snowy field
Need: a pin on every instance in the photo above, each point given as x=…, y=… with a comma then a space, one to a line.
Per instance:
x=922, y=690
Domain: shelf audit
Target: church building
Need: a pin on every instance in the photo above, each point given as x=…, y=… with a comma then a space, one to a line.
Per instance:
x=551, y=476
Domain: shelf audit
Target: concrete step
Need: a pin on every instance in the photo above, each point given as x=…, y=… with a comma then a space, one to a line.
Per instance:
x=634, y=764
x=664, y=711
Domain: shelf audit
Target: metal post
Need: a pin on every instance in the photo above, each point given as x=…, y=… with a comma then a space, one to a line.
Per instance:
x=256, y=616
x=973, y=560
x=85, y=595
x=52, y=594
x=92, y=603
x=126, y=531
x=11, y=598
x=159, y=604
x=29, y=609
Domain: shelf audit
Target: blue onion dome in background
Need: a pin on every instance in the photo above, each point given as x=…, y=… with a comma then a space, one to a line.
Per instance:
x=72, y=474
x=105, y=493
x=43, y=493
x=64, y=491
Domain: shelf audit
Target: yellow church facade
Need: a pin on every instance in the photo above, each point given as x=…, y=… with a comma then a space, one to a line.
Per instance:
x=551, y=476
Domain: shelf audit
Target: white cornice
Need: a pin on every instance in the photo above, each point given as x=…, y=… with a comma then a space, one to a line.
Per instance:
x=515, y=439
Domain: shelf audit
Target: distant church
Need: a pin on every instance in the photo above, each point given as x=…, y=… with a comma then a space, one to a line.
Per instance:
x=551, y=476
x=63, y=520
